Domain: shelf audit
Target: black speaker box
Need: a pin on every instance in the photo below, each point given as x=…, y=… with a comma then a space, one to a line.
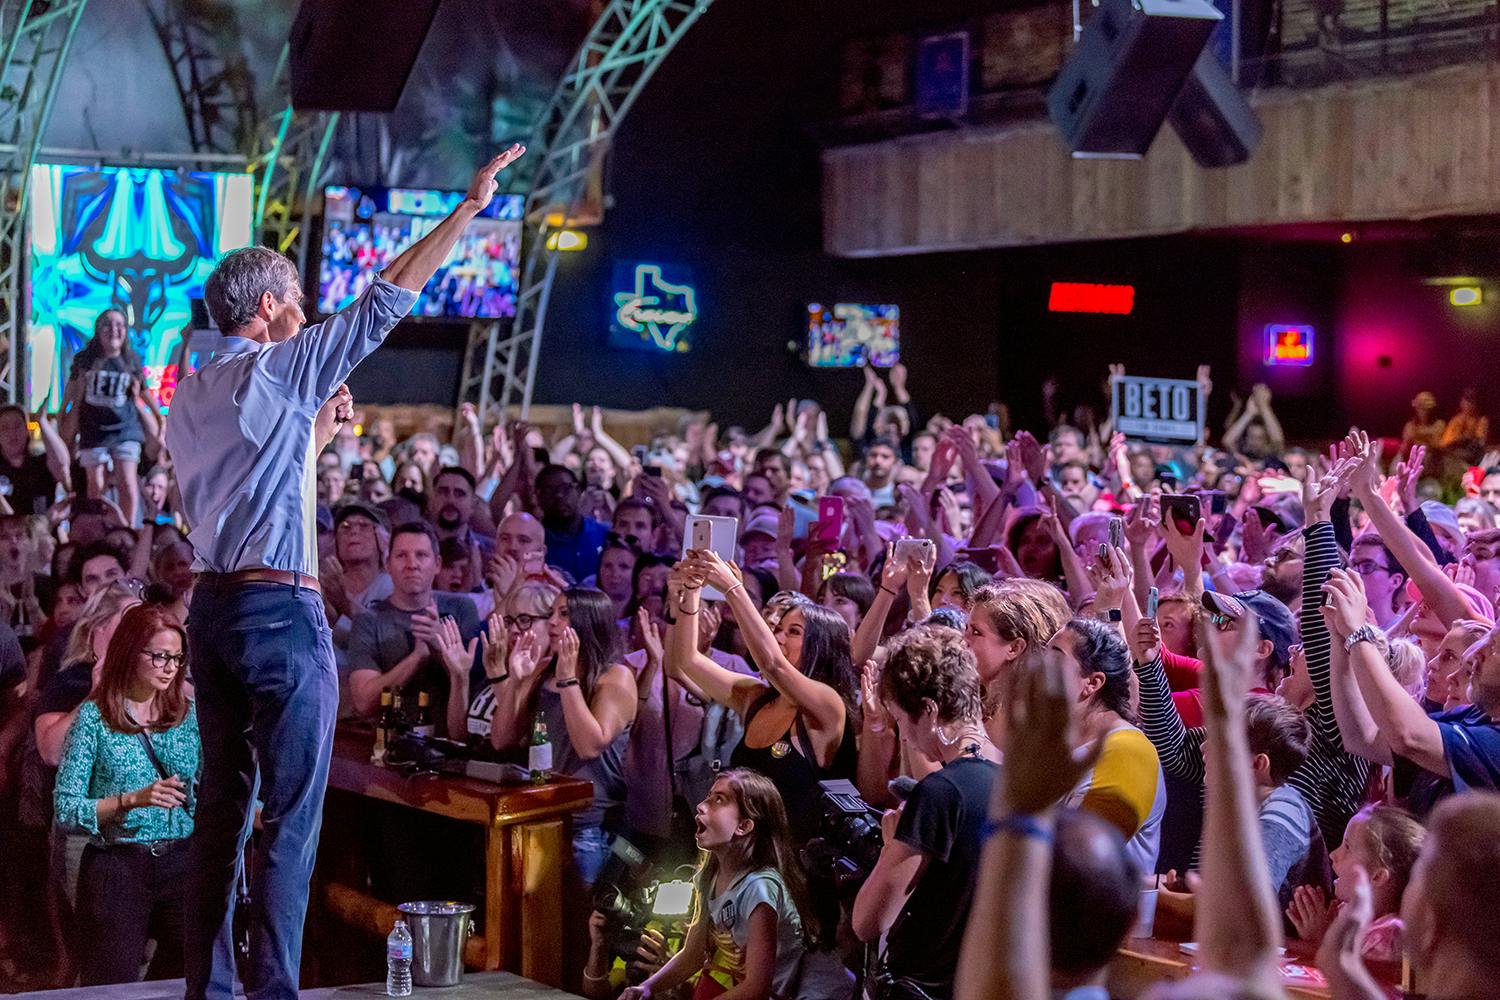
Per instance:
x=1116, y=88
x=1212, y=118
x=355, y=55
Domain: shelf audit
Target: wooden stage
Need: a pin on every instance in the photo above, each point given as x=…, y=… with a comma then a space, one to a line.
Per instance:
x=476, y=986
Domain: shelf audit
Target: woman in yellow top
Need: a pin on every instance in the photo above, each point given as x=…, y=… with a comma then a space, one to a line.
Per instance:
x=1125, y=786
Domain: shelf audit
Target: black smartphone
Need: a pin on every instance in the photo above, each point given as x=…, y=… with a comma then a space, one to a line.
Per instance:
x=654, y=471
x=1218, y=501
x=1183, y=508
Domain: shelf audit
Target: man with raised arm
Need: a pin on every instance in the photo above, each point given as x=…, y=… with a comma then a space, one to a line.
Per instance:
x=241, y=438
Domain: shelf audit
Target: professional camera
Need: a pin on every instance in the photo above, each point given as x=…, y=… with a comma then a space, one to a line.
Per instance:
x=623, y=894
x=849, y=840
x=630, y=897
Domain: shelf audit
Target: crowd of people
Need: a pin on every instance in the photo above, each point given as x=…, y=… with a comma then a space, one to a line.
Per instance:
x=920, y=708
x=1313, y=656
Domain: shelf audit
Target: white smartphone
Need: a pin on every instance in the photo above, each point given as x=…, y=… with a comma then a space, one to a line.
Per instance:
x=719, y=535
x=912, y=548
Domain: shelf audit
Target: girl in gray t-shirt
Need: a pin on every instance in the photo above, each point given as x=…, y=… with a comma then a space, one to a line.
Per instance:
x=752, y=926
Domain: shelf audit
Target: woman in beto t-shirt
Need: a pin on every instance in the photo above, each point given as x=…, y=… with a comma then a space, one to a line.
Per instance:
x=105, y=405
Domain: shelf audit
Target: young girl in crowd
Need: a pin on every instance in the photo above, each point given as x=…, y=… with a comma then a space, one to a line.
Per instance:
x=127, y=775
x=586, y=697
x=107, y=409
x=751, y=937
x=1385, y=842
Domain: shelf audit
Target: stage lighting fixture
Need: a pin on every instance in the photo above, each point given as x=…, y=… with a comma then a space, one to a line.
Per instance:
x=1466, y=295
x=567, y=239
x=1346, y=238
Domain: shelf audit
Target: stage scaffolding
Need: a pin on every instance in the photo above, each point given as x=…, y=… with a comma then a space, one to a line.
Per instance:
x=623, y=50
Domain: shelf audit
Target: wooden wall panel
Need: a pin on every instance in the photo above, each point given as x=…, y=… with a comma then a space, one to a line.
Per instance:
x=1399, y=148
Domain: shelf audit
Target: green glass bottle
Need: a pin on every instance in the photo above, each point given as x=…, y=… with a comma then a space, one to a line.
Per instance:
x=539, y=760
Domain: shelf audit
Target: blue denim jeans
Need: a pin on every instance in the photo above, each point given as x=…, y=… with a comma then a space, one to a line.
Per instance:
x=590, y=851
x=267, y=694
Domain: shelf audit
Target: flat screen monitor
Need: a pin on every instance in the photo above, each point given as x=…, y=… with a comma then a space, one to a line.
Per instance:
x=848, y=335
x=136, y=239
x=364, y=229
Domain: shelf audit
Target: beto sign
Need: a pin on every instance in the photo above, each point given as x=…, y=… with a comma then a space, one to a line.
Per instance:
x=1157, y=410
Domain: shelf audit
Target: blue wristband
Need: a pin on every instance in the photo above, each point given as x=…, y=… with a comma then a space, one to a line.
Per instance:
x=1020, y=824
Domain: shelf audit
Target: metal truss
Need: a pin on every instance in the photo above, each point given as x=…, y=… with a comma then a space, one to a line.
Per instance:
x=213, y=81
x=35, y=36
x=623, y=50
x=288, y=162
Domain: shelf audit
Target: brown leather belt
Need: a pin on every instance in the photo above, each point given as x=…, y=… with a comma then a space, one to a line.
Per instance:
x=264, y=575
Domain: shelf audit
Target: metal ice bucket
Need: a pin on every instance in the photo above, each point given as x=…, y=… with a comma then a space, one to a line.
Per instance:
x=439, y=930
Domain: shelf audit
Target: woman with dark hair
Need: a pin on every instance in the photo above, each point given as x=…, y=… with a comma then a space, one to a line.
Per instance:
x=586, y=697
x=412, y=482
x=127, y=775
x=1036, y=552
x=106, y=408
x=648, y=580
x=799, y=713
x=956, y=586
x=616, y=576
x=1125, y=786
x=849, y=595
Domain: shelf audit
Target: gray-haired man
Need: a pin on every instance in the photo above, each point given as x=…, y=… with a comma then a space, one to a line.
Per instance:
x=241, y=434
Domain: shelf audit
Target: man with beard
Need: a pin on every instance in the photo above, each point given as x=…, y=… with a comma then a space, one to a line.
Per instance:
x=450, y=507
x=398, y=643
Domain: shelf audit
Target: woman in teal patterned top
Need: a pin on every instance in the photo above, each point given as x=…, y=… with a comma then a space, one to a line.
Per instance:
x=135, y=803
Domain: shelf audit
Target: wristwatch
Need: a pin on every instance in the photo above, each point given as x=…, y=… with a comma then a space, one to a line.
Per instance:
x=1365, y=633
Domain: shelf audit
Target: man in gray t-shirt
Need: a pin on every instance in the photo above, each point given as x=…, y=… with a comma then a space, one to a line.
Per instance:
x=397, y=645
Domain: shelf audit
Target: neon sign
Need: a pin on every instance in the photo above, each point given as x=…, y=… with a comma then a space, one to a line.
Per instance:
x=654, y=313
x=1289, y=344
x=1080, y=297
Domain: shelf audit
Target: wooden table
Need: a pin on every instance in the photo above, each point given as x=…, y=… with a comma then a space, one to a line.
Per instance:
x=484, y=986
x=527, y=845
x=1143, y=962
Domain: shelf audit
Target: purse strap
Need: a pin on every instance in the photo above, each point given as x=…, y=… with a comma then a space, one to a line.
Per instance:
x=151, y=752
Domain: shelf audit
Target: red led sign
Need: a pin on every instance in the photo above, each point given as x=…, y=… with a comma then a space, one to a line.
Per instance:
x=1080, y=297
x=1288, y=344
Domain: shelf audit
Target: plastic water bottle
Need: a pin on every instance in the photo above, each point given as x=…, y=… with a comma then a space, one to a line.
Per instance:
x=398, y=961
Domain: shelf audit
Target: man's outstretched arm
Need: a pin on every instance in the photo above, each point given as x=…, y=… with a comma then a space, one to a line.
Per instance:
x=421, y=260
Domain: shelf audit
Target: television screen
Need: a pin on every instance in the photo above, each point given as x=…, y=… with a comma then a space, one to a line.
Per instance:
x=364, y=229
x=848, y=335
x=135, y=239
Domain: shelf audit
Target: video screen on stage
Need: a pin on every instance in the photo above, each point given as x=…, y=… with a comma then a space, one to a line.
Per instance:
x=135, y=239
x=364, y=229
x=847, y=335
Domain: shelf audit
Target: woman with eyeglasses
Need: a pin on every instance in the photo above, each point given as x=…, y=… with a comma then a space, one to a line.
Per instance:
x=127, y=776
x=525, y=613
x=579, y=686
